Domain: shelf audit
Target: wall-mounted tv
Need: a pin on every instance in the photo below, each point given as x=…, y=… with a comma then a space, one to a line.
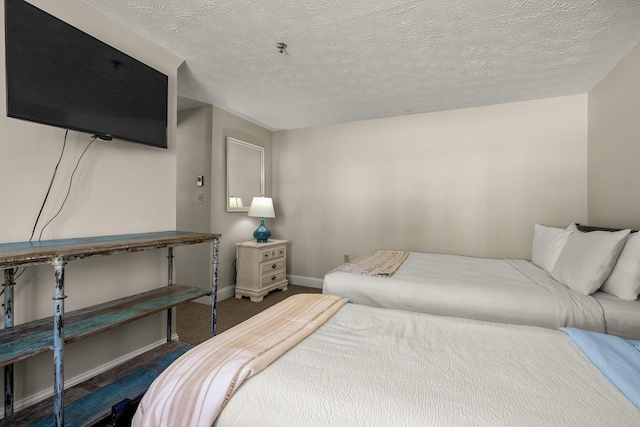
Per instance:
x=61, y=76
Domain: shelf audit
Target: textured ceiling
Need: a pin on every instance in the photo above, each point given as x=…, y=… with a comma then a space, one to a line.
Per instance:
x=355, y=60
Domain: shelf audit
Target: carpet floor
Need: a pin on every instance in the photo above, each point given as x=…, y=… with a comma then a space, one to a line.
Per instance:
x=193, y=320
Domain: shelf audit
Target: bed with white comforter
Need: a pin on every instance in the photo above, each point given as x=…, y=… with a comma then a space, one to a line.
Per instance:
x=588, y=280
x=367, y=366
x=499, y=290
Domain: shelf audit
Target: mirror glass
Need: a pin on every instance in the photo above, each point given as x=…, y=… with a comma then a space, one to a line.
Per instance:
x=245, y=174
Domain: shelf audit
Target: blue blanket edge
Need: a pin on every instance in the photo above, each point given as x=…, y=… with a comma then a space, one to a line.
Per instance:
x=616, y=358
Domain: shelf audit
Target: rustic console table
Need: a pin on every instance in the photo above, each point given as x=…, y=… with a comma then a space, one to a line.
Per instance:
x=31, y=338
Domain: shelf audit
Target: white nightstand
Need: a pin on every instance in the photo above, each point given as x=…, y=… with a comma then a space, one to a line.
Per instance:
x=261, y=268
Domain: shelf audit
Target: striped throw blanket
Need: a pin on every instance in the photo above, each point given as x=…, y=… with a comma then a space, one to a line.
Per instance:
x=375, y=263
x=195, y=388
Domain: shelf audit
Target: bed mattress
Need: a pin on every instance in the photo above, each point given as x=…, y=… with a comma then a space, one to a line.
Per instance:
x=498, y=290
x=372, y=367
x=622, y=317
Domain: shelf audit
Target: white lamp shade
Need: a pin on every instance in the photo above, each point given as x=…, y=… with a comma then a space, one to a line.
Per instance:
x=262, y=207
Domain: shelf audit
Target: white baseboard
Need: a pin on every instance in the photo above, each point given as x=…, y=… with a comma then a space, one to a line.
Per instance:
x=226, y=292
x=204, y=300
x=312, y=282
x=47, y=393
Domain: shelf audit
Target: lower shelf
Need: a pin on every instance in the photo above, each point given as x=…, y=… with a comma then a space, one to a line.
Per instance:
x=90, y=402
x=28, y=339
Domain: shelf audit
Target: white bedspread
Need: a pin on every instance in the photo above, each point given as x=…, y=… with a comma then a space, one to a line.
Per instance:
x=497, y=290
x=374, y=367
x=621, y=316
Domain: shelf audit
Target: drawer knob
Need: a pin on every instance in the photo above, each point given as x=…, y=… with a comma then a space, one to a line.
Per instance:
x=273, y=277
x=273, y=265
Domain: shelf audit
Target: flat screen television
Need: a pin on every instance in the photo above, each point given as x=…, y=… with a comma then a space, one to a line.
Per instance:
x=61, y=76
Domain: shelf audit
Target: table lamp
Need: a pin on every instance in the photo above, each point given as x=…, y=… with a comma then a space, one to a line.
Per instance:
x=262, y=207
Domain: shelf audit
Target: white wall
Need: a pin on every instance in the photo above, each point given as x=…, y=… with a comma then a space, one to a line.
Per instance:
x=193, y=147
x=614, y=146
x=202, y=134
x=234, y=226
x=471, y=181
x=119, y=187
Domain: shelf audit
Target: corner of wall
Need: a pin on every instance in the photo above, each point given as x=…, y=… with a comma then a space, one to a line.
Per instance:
x=613, y=147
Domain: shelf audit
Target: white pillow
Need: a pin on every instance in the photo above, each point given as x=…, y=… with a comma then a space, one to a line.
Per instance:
x=547, y=245
x=624, y=281
x=588, y=258
x=573, y=227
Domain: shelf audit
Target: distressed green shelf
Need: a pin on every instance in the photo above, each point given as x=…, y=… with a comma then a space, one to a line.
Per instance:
x=29, y=339
x=18, y=342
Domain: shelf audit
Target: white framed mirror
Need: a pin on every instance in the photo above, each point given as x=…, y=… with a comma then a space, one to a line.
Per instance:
x=245, y=174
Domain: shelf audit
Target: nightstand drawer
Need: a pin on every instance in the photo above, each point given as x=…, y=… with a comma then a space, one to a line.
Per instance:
x=271, y=267
x=272, y=253
x=270, y=279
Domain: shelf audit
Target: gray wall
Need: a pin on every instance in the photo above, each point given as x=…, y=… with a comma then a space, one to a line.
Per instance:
x=193, y=147
x=614, y=146
x=234, y=226
x=202, y=134
x=471, y=181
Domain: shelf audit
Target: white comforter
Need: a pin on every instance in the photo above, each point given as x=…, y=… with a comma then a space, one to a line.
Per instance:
x=375, y=367
x=498, y=290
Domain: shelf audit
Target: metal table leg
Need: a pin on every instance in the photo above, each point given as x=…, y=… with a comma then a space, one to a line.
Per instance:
x=8, y=323
x=214, y=283
x=58, y=343
x=169, y=283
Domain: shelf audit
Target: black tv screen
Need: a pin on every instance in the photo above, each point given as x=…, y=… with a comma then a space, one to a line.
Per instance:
x=61, y=76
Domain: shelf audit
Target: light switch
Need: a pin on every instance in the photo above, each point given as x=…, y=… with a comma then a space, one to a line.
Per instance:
x=200, y=181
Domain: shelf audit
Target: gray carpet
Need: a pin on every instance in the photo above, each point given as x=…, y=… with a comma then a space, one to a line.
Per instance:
x=193, y=322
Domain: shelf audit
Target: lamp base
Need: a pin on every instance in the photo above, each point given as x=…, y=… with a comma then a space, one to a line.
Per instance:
x=261, y=234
